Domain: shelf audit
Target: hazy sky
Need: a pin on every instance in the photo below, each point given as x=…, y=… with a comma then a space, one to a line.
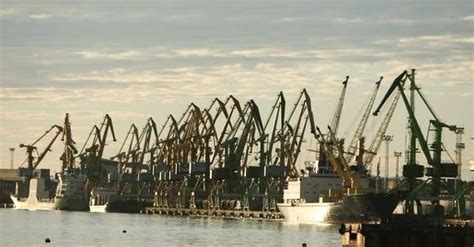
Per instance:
x=150, y=58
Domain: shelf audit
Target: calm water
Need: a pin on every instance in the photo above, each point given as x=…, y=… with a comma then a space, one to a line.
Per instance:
x=28, y=228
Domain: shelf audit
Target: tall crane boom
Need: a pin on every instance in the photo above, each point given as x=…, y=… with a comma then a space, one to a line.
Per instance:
x=377, y=141
x=351, y=149
x=30, y=148
x=106, y=125
x=69, y=148
x=340, y=103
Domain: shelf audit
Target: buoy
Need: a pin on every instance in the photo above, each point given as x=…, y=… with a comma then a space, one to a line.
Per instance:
x=47, y=240
x=124, y=231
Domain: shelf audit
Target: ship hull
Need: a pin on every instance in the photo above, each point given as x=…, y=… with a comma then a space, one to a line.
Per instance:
x=56, y=204
x=119, y=206
x=308, y=213
x=32, y=204
x=355, y=208
x=71, y=204
x=98, y=208
x=71, y=194
x=36, y=188
x=125, y=206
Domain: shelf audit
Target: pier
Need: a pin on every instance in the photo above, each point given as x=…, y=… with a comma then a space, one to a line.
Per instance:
x=410, y=231
x=8, y=182
x=273, y=215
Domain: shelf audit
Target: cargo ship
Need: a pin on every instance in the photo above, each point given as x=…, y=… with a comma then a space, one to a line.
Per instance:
x=320, y=199
x=70, y=194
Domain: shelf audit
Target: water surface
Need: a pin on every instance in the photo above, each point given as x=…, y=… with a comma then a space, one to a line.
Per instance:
x=31, y=228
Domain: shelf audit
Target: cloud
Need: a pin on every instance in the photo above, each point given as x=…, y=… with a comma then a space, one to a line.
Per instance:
x=7, y=12
x=170, y=85
x=122, y=55
x=24, y=115
x=71, y=95
x=197, y=53
x=152, y=53
x=436, y=41
x=294, y=19
x=40, y=16
x=469, y=18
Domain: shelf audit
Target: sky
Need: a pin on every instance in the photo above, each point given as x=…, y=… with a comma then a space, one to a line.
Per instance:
x=153, y=58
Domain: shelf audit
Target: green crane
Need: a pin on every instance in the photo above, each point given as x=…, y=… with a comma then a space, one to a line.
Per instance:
x=411, y=171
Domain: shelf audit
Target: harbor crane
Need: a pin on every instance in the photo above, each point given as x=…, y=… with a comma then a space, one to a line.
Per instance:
x=374, y=147
x=69, y=148
x=336, y=118
x=30, y=148
x=277, y=114
x=91, y=156
x=352, y=147
x=412, y=171
x=324, y=163
x=296, y=130
x=338, y=168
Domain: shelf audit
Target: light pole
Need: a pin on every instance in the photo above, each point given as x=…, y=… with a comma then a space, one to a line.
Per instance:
x=387, y=139
x=12, y=151
x=397, y=156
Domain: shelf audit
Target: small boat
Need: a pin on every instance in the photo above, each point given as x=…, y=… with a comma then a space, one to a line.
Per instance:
x=100, y=199
x=98, y=208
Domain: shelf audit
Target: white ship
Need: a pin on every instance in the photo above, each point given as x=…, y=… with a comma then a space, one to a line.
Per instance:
x=70, y=195
x=36, y=198
x=320, y=199
x=100, y=199
x=302, y=201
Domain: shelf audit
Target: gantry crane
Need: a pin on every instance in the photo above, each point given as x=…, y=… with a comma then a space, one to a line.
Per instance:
x=136, y=180
x=131, y=153
x=91, y=156
x=295, y=131
x=128, y=156
x=276, y=133
x=142, y=169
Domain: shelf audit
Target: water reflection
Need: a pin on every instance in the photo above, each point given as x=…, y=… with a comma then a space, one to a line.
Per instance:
x=82, y=228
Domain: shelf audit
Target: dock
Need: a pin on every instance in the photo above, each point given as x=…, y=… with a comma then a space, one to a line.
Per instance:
x=273, y=215
x=8, y=185
x=410, y=231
